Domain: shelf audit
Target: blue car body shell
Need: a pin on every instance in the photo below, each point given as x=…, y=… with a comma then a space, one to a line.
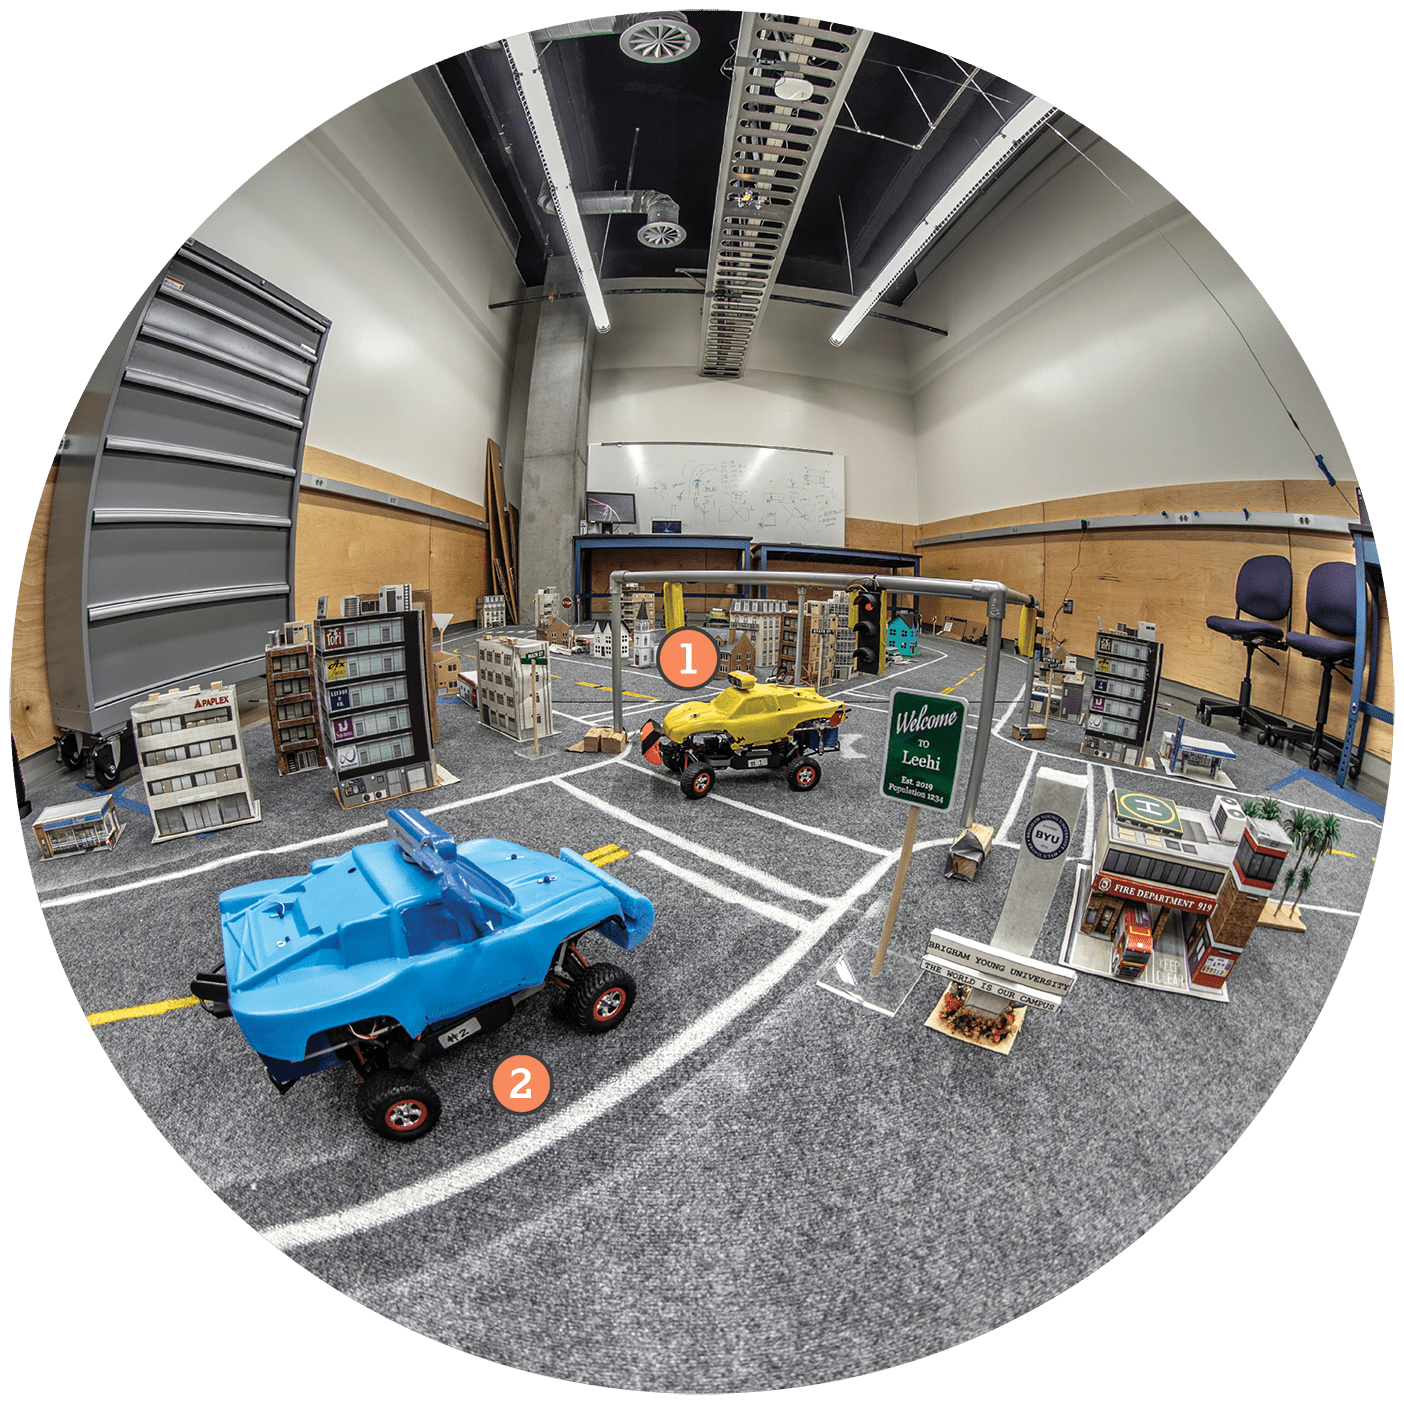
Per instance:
x=418, y=929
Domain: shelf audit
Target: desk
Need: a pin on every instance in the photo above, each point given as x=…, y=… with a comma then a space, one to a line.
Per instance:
x=736, y=548
x=1367, y=574
x=834, y=557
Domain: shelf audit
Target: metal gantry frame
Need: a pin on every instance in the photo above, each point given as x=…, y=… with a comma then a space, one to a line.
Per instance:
x=994, y=594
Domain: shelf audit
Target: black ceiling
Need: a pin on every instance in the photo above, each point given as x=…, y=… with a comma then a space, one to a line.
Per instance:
x=669, y=120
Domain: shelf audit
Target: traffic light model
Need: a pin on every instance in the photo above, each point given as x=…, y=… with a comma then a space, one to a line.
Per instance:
x=867, y=617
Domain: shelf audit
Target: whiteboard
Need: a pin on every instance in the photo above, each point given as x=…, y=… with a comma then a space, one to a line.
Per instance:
x=768, y=494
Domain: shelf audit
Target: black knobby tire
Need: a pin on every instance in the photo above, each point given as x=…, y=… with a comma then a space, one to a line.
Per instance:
x=70, y=750
x=601, y=998
x=697, y=780
x=803, y=773
x=401, y=1106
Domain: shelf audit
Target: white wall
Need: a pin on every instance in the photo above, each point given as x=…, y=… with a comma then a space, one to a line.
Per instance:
x=798, y=392
x=1085, y=356
x=372, y=220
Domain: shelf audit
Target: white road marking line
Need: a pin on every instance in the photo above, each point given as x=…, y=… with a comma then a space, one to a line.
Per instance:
x=856, y=999
x=724, y=894
x=1330, y=911
x=1087, y=812
x=229, y=858
x=1009, y=818
x=887, y=677
x=763, y=880
x=435, y=1189
x=715, y=798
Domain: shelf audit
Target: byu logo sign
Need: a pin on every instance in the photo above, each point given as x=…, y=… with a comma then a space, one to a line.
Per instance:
x=1047, y=835
x=924, y=740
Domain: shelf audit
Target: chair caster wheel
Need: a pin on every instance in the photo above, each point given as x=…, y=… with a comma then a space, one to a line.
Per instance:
x=1263, y=738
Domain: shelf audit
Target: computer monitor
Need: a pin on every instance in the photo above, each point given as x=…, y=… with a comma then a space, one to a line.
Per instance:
x=611, y=508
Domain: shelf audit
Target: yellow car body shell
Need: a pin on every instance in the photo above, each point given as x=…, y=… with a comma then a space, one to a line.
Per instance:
x=752, y=713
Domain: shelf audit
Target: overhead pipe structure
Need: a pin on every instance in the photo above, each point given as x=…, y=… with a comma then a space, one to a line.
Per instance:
x=994, y=595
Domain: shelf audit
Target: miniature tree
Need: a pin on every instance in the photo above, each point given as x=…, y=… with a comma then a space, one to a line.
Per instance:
x=1271, y=810
x=1303, y=884
x=1300, y=827
x=1326, y=834
x=1253, y=809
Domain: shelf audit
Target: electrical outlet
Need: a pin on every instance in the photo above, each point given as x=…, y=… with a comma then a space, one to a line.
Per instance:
x=1067, y=606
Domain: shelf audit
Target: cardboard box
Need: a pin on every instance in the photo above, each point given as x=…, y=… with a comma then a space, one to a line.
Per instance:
x=612, y=742
x=973, y=630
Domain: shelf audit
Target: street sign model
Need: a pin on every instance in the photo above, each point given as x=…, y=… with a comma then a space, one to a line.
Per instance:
x=924, y=740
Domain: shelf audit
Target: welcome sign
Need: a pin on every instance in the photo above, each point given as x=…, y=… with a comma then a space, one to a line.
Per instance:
x=924, y=740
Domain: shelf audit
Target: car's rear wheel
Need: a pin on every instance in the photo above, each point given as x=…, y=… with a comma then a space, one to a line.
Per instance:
x=398, y=1105
x=803, y=773
x=696, y=782
x=601, y=998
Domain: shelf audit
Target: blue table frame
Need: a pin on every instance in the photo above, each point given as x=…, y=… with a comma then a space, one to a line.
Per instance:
x=1367, y=574
x=872, y=562
x=587, y=546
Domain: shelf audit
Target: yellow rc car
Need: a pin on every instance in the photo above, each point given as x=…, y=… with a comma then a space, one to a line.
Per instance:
x=749, y=726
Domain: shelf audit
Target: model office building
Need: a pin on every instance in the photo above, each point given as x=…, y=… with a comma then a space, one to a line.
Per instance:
x=192, y=762
x=514, y=697
x=372, y=686
x=293, y=713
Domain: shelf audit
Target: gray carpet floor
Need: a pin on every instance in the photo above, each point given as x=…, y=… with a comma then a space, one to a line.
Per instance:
x=753, y=1183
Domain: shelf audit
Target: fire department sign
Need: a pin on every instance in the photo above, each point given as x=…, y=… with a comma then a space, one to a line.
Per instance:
x=1145, y=892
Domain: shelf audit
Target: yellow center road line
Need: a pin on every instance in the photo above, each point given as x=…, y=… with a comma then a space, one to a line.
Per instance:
x=142, y=1011
x=965, y=679
x=1339, y=853
x=605, y=687
x=610, y=853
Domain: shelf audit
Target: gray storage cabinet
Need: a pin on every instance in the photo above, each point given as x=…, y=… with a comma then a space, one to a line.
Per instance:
x=174, y=515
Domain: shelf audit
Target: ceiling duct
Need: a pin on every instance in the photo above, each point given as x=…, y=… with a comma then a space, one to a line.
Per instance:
x=660, y=229
x=787, y=91
x=652, y=37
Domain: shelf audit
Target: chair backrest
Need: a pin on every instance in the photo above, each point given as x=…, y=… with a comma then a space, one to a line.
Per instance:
x=1330, y=597
x=1265, y=588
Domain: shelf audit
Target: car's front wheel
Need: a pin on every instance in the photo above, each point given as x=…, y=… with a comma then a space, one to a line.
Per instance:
x=803, y=773
x=697, y=781
x=400, y=1106
x=601, y=998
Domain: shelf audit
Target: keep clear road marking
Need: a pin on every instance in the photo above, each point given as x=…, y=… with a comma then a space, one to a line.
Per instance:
x=766, y=881
x=725, y=894
x=603, y=857
x=435, y=1189
x=230, y=858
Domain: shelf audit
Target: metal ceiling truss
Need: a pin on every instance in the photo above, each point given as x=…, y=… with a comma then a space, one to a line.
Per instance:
x=774, y=141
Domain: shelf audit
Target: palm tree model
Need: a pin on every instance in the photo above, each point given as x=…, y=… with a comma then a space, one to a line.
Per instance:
x=1301, y=828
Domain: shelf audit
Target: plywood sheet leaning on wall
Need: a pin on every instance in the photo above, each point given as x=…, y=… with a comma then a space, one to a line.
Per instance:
x=31, y=715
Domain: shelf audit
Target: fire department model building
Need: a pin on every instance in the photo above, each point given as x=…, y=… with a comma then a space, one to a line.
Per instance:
x=192, y=761
x=1201, y=877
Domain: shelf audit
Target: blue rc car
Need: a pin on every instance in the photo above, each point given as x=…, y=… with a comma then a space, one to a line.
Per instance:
x=397, y=952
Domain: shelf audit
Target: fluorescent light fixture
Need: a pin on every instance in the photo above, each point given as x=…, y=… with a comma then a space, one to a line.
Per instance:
x=1025, y=122
x=526, y=69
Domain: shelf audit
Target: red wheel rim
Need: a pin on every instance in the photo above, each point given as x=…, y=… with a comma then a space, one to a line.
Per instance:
x=609, y=1004
x=701, y=784
x=805, y=777
x=406, y=1114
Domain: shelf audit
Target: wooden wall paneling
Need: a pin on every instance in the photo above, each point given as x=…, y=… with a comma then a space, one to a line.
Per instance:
x=1257, y=495
x=345, y=547
x=1015, y=561
x=31, y=713
x=863, y=534
x=459, y=566
x=1308, y=550
x=350, y=470
x=1317, y=495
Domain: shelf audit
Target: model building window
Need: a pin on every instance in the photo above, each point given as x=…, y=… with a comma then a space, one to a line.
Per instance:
x=305, y=732
x=287, y=711
x=210, y=718
x=155, y=728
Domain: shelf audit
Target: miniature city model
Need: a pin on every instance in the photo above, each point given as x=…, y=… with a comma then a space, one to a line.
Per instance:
x=901, y=637
x=749, y=726
x=514, y=687
x=1198, y=881
x=646, y=643
x=192, y=761
x=601, y=641
x=446, y=672
x=637, y=610
x=492, y=611
x=408, y=948
x=372, y=687
x=1195, y=758
x=63, y=830
x=558, y=634
x=759, y=620
x=293, y=715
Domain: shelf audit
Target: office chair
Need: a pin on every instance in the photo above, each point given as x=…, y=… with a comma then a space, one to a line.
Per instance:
x=1330, y=605
x=1264, y=591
